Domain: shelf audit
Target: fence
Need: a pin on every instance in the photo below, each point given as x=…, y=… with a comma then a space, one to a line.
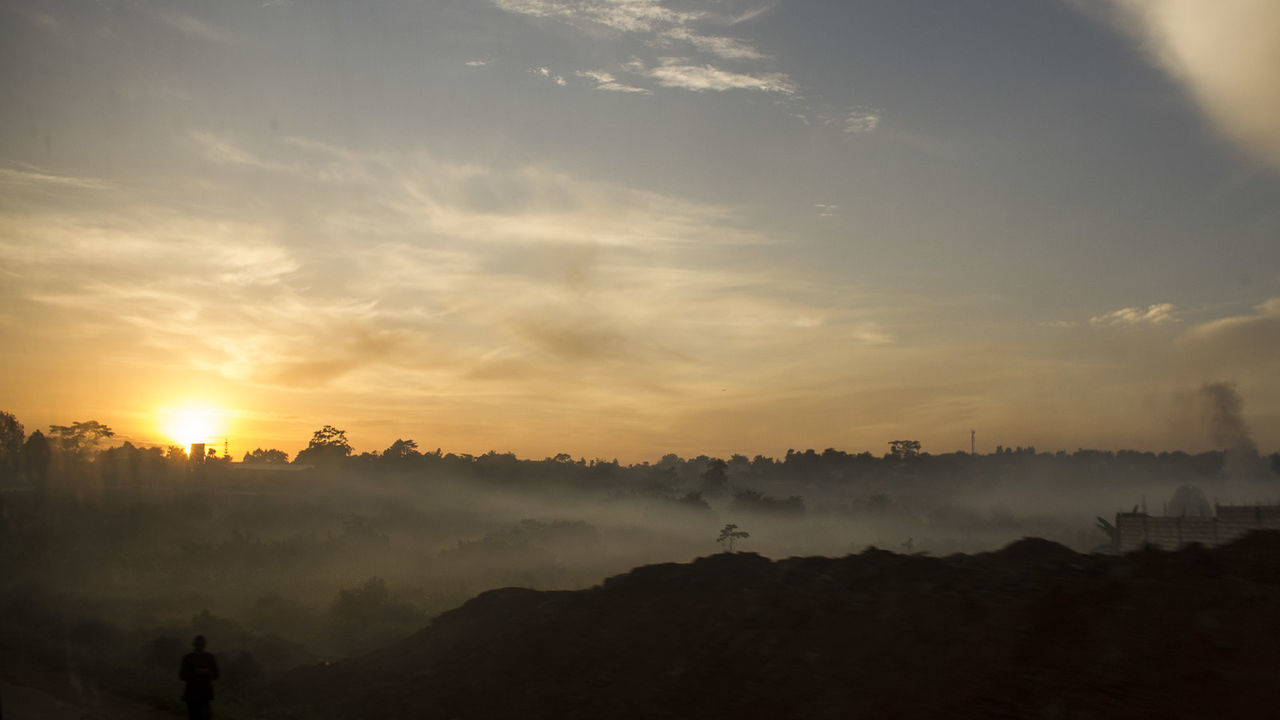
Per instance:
x=1170, y=533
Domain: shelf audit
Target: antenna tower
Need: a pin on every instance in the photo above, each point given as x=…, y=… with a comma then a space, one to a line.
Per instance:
x=973, y=442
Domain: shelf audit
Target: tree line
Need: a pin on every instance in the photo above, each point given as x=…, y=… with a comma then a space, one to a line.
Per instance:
x=83, y=450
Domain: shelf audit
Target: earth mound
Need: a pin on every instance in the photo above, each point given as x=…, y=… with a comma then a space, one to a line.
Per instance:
x=1032, y=631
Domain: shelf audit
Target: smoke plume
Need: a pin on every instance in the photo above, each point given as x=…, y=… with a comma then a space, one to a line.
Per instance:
x=1227, y=429
x=1224, y=410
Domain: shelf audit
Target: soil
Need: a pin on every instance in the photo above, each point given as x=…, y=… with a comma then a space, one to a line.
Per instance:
x=1032, y=631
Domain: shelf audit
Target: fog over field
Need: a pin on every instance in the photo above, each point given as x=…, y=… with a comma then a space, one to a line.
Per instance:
x=113, y=555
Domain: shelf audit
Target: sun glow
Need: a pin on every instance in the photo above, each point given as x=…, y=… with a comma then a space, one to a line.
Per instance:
x=186, y=425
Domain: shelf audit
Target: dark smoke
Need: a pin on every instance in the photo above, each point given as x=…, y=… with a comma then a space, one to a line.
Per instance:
x=1225, y=418
x=1227, y=429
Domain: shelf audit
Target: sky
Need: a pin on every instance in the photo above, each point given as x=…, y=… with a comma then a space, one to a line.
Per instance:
x=622, y=228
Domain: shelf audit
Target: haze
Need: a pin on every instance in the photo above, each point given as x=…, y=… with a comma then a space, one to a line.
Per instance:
x=624, y=228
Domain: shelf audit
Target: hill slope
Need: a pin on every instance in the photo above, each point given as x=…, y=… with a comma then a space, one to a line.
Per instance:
x=1034, y=630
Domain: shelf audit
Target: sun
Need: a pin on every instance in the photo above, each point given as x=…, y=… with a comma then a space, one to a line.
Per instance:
x=193, y=424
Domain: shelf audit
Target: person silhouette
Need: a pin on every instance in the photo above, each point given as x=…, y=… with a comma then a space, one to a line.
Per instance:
x=199, y=669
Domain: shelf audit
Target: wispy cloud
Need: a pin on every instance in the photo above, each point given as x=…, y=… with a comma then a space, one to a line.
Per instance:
x=871, y=333
x=606, y=81
x=862, y=120
x=827, y=209
x=222, y=151
x=33, y=177
x=677, y=73
x=464, y=288
x=546, y=73
x=662, y=28
x=588, y=275
x=726, y=48
x=622, y=15
x=752, y=14
x=1159, y=314
x=44, y=20
x=477, y=63
x=188, y=24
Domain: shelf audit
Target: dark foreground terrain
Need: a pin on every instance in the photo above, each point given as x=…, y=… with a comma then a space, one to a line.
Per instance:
x=1034, y=630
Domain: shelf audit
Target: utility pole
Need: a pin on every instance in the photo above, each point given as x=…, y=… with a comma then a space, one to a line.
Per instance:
x=973, y=442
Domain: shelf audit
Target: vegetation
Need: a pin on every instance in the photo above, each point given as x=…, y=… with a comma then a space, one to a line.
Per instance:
x=729, y=534
x=121, y=552
x=266, y=456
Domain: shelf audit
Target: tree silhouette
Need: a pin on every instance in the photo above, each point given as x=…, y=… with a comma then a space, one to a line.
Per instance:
x=401, y=449
x=36, y=455
x=729, y=534
x=80, y=438
x=267, y=456
x=904, y=449
x=328, y=445
x=330, y=436
x=714, y=477
x=10, y=445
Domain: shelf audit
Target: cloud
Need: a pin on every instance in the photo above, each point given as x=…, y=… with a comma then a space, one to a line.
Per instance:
x=606, y=81
x=486, y=290
x=30, y=177
x=160, y=244
x=477, y=63
x=621, y=15
x=1159, y=314
x=676, y=73
x=222, y=151
x=1247, y=338
x=188, y=24
x=1224, y=51
x=663, y=27
x=35, y=17
x=576, y=339
x=344, y=349
x=861, y=120
x=546, y=73
x=827, y=209
x=870, y=333
x=726, y=48
x=752, y=14
x=461, y=270
x=177, y=287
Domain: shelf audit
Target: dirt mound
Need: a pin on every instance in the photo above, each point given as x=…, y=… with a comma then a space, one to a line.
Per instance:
x=1034, y=630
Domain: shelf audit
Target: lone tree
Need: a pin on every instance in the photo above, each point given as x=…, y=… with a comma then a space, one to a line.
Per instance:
x=79, y=439
x=328, y=445
x=904, y=449
x=730, y=534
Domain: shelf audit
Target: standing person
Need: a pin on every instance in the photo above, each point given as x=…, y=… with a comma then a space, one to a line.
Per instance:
x=199, y=670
